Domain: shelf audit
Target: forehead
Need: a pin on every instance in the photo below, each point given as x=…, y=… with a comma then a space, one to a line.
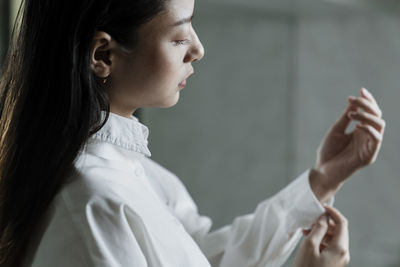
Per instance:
x=163, y=23
x=180, y=7
x=175, y=11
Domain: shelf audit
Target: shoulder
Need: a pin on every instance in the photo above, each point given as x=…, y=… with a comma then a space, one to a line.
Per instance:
x=164, y=181
x=104, y=183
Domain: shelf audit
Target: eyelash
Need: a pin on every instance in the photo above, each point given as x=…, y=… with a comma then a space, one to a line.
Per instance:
x=182, y=42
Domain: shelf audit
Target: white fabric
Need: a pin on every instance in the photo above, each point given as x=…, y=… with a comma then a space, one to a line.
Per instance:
x=124, y=209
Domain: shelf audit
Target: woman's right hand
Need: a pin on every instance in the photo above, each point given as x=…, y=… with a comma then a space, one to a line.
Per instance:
x=326, y=245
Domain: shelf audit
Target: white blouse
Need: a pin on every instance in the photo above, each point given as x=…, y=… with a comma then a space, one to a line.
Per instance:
x=124, y=209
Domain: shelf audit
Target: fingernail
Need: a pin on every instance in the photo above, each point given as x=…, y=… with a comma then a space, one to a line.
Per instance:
x=352, y=114
x=366, y=91
x=351, y=98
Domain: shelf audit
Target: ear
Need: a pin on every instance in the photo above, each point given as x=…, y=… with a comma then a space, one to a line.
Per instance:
x=102, y=56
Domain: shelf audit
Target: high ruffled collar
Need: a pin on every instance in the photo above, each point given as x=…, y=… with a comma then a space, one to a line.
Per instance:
x=125, y=132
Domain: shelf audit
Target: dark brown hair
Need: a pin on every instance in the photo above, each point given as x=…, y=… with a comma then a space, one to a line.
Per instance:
x=51, y=103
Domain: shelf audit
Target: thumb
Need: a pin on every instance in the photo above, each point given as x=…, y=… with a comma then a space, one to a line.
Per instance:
x=318, y=232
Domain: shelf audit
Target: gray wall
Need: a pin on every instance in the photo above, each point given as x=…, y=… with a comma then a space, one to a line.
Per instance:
x=337, y=55
x=272, y=81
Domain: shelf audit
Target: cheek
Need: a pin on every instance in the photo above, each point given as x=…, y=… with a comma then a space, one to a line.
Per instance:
x=154, y=74
x=168, y=65
x=155, y=68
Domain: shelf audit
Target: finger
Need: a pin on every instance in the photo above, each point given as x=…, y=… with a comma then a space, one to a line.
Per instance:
x=329, y=233
x=331, y=223
x=331, y=227
x=366, y=105
x=327, y=239
x=318, y=232
x=367, y=94
x=377, y=123
x=323, y=246
x=343, y=122
x=306, y=232
x=371, y=131
x=341, y=232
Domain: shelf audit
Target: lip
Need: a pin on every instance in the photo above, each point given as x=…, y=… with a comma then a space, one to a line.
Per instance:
x=183, y=83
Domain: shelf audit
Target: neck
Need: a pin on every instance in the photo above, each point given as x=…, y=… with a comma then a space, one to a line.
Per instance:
x=124, y=112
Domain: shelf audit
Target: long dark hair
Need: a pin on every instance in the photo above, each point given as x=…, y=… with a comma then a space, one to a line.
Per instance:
x=51, y=103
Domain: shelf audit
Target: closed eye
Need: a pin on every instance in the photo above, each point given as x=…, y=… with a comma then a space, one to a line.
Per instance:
x=182, y=42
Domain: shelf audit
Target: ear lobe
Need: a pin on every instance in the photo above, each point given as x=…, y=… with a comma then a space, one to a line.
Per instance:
x=100, y=57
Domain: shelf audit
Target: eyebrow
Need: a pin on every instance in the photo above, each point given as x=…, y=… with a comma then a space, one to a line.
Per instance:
x=183, y=21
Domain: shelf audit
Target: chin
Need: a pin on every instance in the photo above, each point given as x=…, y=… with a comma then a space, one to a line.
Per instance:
x=170, y=102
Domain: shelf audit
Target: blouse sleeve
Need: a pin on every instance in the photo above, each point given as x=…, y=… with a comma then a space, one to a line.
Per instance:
x=96, y=233
x=265, y=238
x=115, y=241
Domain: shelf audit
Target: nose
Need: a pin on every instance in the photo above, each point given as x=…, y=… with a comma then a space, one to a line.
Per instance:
x=196, y=51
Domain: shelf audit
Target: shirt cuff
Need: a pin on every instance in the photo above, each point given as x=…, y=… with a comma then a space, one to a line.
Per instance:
x=301, y=203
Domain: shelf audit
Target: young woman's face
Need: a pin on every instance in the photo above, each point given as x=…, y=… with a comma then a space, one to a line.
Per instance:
x=156, y=71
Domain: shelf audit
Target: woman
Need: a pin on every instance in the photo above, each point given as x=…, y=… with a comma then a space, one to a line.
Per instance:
x=77, y=185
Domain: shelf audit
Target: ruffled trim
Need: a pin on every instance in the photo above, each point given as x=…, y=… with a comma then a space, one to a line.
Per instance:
x=127, y=133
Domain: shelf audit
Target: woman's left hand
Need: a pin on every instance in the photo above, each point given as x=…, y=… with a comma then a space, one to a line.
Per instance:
x=341, y=154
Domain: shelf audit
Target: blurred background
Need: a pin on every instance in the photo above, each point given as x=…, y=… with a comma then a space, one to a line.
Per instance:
x=276, y=74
